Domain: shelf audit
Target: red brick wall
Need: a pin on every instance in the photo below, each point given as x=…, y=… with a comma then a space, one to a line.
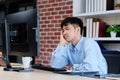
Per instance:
x=51, y=14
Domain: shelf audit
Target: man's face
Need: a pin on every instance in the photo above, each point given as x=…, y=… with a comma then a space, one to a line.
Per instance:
x=70, y=32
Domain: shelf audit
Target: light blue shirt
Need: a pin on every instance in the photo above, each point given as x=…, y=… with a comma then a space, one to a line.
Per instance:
x=86, y=53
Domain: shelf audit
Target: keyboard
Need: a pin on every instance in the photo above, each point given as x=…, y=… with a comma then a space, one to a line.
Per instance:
x=42, y=67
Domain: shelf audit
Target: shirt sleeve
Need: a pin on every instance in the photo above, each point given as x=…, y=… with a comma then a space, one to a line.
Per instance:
x=58, y=59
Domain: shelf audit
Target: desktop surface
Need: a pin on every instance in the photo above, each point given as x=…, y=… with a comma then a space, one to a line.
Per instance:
x=43, y=75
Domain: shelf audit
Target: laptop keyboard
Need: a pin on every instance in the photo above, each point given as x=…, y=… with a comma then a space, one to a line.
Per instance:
x=42, y=67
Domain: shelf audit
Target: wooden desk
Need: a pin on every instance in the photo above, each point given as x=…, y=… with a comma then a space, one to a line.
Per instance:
x=40, y=75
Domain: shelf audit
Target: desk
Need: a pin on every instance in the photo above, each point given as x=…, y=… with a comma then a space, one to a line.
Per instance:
x=41, y=75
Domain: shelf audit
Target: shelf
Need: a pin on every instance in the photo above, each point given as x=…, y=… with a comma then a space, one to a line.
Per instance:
x=99, y=14
x=107, y=39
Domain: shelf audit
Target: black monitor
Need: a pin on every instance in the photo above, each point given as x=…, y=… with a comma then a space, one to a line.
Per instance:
x=20, y=34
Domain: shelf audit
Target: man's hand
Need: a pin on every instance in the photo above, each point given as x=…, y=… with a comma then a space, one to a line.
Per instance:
x=68, y=67
x=1, y=54
x=62, y=40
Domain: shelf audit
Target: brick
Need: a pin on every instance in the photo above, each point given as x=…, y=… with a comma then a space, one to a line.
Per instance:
x=44, y=2
x=49, y=50
x=50, y=33
x=43, y=49
x=47, y=13
x=54, y=13
x=50, y=9
x=46, y=21
x=56, y=42
x=48, y=5
x=41, y=6
x=46, y=37
x=46, y=54
x=57, y=17
x=51, y=42
x=50, y=17
x=43, y=26
x=53, y=37
x=61, y=12
x=69, y=3
x=54, y=5
x=53, y=46
x=62, y=4
x=52, y=1
x=47, y=30
x=66, y=7
x=65, y=16
x=50, y=25
x=54, y=21
x=58, y=8
x=46, y=45
x=69, y=12
x=54, y=29
x=43, y=42
x=59, y=0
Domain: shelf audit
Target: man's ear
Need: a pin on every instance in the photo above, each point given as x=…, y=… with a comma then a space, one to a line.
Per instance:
x=78, y=29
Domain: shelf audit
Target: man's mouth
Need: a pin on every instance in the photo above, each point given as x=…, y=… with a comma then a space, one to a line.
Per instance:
x=66, y=37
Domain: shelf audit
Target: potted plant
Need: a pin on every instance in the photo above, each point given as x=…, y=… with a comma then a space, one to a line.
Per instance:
x=113, y=29
x=117, y=7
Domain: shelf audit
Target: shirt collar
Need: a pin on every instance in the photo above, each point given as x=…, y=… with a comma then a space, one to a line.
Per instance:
x=78, y=45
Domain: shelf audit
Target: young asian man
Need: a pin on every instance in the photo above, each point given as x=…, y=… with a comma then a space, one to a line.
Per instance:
x=76, y=49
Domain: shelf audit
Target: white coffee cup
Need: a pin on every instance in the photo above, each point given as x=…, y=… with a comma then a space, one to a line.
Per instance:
x=26, y=62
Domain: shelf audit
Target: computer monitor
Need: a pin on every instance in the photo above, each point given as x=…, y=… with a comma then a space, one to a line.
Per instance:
x=20, y=34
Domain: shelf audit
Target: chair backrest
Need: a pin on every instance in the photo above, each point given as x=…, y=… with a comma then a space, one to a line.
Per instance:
x=113, y=61
x=112, y=57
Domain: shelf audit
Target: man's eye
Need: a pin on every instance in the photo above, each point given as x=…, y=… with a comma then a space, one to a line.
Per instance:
x=67, y=28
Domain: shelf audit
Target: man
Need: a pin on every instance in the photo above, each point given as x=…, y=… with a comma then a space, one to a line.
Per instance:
x=75, y=49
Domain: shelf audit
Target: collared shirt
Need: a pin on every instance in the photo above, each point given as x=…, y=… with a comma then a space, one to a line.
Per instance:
x=86, y=53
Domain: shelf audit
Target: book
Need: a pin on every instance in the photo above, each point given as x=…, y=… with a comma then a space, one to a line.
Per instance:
x=94, y=29
x=89, y=30
x=100, y=29
x=79, y=7
x=87, y=6
x=95, y=6
x=110, y=4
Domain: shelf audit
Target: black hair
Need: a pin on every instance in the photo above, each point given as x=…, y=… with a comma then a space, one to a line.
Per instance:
x=72, y=20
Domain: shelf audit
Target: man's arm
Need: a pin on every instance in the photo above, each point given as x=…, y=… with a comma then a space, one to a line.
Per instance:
x=58, y=59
